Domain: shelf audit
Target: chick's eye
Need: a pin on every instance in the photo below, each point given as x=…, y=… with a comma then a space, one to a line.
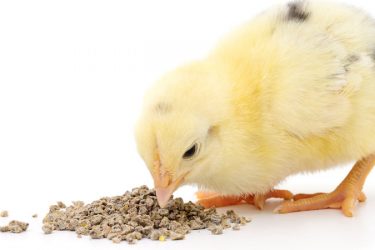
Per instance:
x=190, y=152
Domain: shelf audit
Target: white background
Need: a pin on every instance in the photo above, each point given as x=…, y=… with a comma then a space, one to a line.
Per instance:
x=72, y=77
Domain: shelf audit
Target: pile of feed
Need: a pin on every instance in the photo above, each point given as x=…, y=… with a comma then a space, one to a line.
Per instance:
x=137, y=215
x=15, y=227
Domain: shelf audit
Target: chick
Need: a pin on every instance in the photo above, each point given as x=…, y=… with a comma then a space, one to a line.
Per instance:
x=291, y=91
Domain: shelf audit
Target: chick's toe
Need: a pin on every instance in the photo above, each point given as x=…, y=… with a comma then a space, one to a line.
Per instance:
x=211, y=199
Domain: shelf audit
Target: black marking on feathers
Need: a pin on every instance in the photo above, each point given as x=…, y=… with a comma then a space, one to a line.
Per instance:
x=163, y=108
x=297, y=11
x=350, y=60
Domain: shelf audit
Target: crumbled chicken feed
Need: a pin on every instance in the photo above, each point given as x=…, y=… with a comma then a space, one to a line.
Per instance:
x=137, y=215
x=236, y=227
x=4, y=213
x=14, y=227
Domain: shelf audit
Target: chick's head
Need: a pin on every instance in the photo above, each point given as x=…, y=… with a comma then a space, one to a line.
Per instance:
x=178, y=131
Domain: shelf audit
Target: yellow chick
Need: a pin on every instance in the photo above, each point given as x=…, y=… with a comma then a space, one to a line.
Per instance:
x=291, y=91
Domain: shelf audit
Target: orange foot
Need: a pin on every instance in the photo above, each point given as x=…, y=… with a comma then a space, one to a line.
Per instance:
x=210, y=199
x=345, y=196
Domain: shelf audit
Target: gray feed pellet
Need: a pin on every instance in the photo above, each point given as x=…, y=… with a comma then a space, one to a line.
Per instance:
x=136, y=215
x=236, y=227
x=4, y=213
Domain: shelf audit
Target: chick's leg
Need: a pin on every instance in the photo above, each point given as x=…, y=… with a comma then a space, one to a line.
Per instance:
x=344, y=196
x=210, y=199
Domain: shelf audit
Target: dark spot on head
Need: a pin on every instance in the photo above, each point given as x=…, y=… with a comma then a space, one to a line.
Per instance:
x=163, y=107
x=297, y=11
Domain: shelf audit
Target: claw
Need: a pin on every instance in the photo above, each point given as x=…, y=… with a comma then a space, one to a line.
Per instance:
x=259, y=201
x=362, y=197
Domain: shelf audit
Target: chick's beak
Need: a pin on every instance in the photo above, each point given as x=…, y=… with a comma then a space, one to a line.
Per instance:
x=164, y=185
x=165, y=188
